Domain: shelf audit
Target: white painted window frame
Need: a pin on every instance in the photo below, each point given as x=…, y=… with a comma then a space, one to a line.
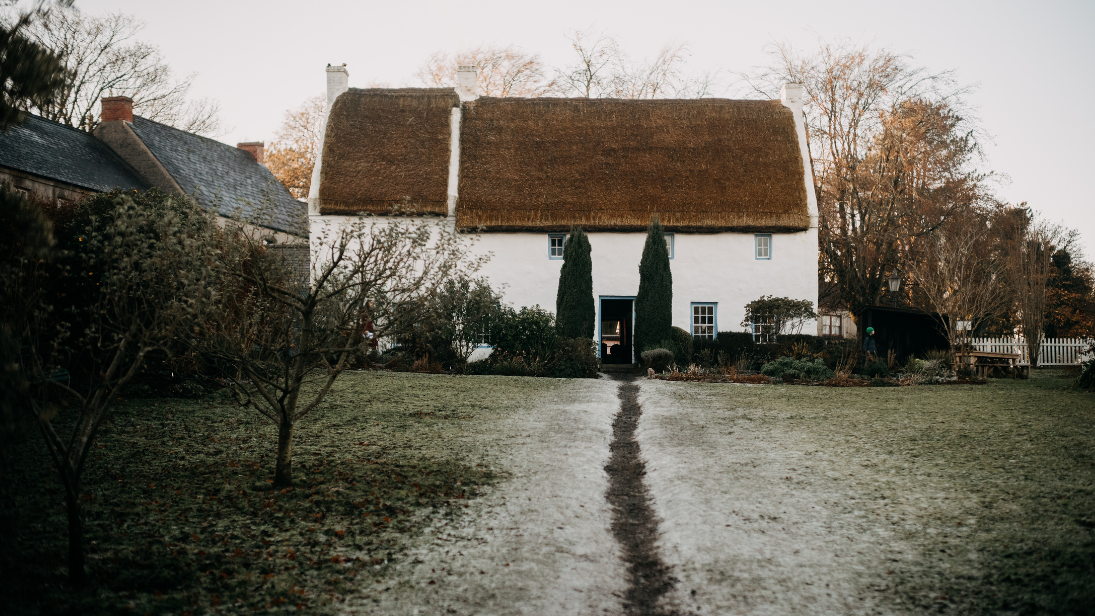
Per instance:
x=562, y=245
x=757, y=237
x=714, y=325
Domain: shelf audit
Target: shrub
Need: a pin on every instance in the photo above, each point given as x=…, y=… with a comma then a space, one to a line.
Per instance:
x=876, y=370
x=788, y=368
x=528, y=332
x=684, y=343
x=1087, y=369
x=480, y=367
x=575, y=358
x=786, y=315
x=658, y=359
x=517, y=364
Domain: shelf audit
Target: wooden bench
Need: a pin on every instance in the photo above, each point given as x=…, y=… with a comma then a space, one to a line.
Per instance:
x=981, y=362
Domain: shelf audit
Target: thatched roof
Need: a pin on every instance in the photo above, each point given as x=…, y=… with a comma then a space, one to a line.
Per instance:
x=701, y=165
x=386, y=150
x=546, y=164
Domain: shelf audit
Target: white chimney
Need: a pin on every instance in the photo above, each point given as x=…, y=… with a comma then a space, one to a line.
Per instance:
x=465, y=83
x=338, y=81
x=791, y=96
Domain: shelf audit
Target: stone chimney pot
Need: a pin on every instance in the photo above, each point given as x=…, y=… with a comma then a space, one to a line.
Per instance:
x=254, y=148
x=466, y=87
x=117, y=108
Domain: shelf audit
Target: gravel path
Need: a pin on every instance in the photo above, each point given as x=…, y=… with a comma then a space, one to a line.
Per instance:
x=539, y=542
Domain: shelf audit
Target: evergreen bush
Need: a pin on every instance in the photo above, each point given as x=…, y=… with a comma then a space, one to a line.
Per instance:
x=575, y=358
x=684, y=343
x=876, y=369
x=654, y=301
x=789, y=368
x=528, y=332
x=575, y=312
x=657, y=359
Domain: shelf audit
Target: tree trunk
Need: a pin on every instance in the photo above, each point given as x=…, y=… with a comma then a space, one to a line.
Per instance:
x=76, y=573
x=283, y=472
x=1034, y=347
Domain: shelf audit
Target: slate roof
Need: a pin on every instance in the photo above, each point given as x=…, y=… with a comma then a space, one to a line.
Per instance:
x=220, y=177
x=59, y=152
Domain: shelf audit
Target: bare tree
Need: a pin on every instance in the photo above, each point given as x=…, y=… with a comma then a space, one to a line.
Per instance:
x=503, y=71
x=289, y=339
x=961, y=276
x=292, y=155
x=1027, y=248
x=138, y=282
x=592, y=73
x=602, y=69
x=893, y=149
x=106, y=59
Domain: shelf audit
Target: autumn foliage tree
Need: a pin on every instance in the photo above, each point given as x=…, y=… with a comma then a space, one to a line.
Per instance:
x=1070, y=296
x=894, y=155
x=292, y=155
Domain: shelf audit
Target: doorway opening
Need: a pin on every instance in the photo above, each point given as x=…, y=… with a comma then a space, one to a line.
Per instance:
x=617, y=323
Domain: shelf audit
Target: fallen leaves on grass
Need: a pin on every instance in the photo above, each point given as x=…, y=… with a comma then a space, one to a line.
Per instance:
x=208, y=529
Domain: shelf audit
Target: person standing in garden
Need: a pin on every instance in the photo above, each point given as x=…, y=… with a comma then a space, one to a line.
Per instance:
x=870, y=349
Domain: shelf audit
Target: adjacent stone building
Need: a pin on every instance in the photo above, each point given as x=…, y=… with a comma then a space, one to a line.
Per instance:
x=57, y=164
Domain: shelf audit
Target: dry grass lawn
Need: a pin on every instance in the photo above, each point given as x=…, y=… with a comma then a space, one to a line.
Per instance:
x=942, y=499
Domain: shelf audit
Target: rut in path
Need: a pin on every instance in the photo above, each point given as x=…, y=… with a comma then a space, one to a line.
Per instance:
x=633, y=522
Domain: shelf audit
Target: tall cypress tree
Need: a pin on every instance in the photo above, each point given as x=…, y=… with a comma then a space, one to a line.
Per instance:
x=575, y=312
x=654, y=303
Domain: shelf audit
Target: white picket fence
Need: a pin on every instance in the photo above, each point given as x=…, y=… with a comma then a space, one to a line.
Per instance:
x=1054, y=351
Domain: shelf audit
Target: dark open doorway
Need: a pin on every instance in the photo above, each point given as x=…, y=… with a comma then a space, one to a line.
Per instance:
x=617, y=319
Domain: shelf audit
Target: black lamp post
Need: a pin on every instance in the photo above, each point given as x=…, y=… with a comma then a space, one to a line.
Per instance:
x=895, y=286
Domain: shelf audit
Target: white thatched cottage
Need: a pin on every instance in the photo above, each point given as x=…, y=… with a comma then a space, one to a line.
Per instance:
x=730, y=180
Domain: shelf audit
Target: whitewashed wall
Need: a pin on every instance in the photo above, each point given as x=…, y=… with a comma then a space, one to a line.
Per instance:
x=719, y=268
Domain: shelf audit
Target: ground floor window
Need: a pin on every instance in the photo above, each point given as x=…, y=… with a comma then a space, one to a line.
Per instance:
x=764, y=331
x=831, y=325
x=703, y=321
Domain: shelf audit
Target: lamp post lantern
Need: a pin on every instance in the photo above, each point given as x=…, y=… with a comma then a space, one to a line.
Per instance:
x=895, y=286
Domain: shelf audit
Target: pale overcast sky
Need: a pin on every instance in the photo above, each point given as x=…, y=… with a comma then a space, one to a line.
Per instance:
x=1034, y=61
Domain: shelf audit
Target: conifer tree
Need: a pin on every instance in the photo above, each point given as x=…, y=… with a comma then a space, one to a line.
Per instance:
x=575, y=313
x=654, y=302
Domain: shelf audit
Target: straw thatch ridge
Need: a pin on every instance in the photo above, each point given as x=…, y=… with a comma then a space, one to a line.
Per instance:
x=704, y=165
x=387, y=151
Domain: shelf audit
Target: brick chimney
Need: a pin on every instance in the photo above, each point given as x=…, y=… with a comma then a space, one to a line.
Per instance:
x=466, y=87
x=117, y=108
x=254, y=148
